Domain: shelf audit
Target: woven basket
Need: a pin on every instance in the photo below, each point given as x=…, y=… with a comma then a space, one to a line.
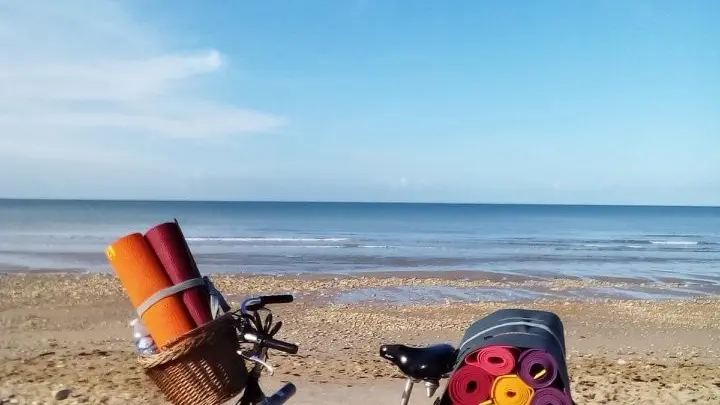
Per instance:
x=202, y=367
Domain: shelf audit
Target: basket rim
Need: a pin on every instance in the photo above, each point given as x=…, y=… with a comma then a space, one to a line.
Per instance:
x=188, y=341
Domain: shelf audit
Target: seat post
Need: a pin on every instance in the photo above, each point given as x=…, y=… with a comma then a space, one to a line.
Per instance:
x=408, y=390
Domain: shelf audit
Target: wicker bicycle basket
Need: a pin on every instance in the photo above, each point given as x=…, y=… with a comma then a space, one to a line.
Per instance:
x=202, y=367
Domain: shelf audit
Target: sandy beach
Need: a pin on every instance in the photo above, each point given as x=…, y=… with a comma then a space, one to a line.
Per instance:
x=69, y=331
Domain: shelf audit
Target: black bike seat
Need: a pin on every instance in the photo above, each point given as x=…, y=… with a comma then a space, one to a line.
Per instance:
x=421, y=363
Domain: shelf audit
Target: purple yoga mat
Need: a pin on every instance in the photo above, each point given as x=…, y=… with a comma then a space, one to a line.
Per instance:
x=551, y=396
x=531, y=361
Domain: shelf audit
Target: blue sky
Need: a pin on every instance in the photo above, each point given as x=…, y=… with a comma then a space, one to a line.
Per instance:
x=378, y=100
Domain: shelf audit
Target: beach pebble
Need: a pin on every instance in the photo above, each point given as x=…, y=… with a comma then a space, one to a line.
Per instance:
x=62, y=394
x=622, y=362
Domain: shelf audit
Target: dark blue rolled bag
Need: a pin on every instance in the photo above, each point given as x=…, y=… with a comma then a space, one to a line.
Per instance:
x=511, y=357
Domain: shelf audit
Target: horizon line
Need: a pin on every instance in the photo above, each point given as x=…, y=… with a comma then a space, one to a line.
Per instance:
x=128, y=200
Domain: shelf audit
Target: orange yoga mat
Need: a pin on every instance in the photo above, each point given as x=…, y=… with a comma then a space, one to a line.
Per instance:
x=142, y=275
x=511, y=390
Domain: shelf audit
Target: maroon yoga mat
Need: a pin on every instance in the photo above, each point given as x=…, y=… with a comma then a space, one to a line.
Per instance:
x=169, y=244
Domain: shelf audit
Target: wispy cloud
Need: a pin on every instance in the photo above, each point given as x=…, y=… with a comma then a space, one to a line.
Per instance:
x=74, y=70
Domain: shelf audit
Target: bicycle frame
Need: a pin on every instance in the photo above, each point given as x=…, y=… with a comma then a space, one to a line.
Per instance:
x=254, y=395
x=262, y=340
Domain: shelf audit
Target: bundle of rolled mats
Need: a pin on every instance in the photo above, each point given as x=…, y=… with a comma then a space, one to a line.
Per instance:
x=511, y=357
x=149, y=266
x=191, y=353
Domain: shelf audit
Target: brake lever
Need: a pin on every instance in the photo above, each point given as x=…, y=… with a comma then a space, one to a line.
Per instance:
x=247, y=318
x=257, y=321
x=275, y=329
x=268, y=322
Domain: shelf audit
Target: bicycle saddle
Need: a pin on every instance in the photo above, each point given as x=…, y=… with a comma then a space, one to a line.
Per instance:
x=421, y=363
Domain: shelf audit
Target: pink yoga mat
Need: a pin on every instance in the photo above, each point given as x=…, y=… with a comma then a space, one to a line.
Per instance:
x=496, y=360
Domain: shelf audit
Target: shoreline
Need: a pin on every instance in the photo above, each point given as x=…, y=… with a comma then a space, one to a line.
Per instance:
x=469, y=275
x=380, y=287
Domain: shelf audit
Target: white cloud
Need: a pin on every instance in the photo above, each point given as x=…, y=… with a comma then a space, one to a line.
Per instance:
x=102, y=79
x=70, y=70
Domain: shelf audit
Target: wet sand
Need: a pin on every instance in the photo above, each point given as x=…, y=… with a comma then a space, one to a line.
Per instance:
x=70, y=331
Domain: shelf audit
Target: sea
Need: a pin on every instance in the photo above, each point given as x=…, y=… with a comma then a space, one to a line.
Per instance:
x=295, y=238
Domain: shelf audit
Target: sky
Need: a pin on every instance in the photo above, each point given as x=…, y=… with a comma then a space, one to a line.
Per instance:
x=592, y=102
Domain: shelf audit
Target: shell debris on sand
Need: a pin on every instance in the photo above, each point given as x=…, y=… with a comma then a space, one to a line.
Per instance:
x=87, y=335
x=62, y=394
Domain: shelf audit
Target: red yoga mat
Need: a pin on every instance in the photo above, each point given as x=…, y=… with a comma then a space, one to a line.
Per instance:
x=169, y=244
x=496, y=360
x=470, y=386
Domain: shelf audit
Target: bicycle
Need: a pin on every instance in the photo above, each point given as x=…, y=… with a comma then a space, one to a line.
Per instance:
x=426, y=365
x=537, y=331
x=258, y=333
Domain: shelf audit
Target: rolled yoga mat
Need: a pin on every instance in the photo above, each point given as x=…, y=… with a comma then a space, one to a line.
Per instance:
x=469, y=386
x=537, y=368
x=517, y=327
x=142, y=275
x=511, y=390
x=169, y=244
x=496, y=360
x=551, y=396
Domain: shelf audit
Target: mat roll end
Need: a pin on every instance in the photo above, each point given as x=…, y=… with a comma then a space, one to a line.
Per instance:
x=142, y=275
x=469, y=386
x=511, y=390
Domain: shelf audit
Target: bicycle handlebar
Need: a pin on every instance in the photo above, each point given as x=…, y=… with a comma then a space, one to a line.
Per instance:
x=276, y=344
x=253, y=327
x=271, y=343
x=277, y=299
x=255, y=303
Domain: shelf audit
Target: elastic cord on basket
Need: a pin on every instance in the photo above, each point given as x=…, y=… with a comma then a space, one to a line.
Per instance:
x=166, y=292
x=218, y=305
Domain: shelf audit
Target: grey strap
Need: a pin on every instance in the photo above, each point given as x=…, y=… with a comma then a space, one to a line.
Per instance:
x=218, y=305
x=502, y=325
x=166, y=292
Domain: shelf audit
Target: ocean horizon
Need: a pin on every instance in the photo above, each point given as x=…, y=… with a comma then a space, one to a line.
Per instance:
x=350, y=238
x=299, y=201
